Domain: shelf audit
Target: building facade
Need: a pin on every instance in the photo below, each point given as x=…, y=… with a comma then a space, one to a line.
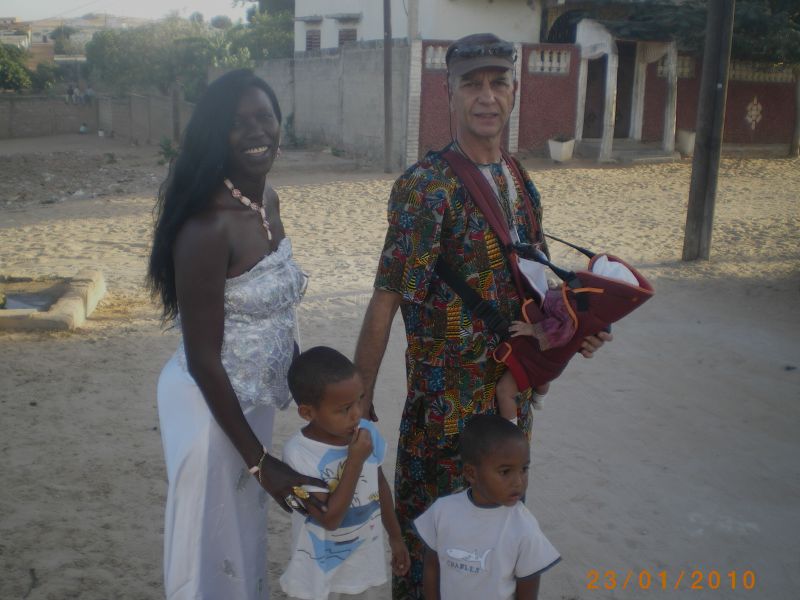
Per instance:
x=578, y=78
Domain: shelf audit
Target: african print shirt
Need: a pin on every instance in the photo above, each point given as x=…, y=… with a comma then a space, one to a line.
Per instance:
x=448, y=357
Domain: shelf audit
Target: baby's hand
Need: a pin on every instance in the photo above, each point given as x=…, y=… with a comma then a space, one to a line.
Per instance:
x=542, y=389
x=401, y=561
x=520, y=328
x=360, y=446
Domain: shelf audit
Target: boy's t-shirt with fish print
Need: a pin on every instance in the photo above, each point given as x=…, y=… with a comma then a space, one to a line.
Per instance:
x=350, y=559
x=483, y=551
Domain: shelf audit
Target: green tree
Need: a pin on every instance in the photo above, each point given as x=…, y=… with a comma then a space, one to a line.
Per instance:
x=188, y=60
x=62, y=32
x=44, y=77
x=153, y=55
x=13, y=74
x=158, y=54
x=276, y=6
x=125, y=59
x=265, y=36
x=270, y=6
x=221, y=22
x=227, y=58
x=61, y=37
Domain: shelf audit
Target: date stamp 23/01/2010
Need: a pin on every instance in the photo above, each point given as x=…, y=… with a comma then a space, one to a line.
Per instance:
x=644, y=579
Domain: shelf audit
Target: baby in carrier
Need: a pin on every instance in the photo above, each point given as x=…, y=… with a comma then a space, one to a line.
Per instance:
x=557, y=320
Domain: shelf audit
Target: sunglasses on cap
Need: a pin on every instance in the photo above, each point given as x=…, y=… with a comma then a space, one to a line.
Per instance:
x=498, y=49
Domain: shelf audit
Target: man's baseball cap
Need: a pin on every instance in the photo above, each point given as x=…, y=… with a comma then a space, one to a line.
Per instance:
x=479, y=51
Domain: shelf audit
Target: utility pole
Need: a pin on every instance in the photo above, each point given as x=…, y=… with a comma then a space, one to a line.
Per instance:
x=387, y=86
x=709, y=130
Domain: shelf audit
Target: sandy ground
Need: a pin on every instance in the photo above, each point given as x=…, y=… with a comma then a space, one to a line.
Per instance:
x=675, y=450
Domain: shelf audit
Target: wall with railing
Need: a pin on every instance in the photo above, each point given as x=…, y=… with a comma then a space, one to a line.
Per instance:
x=548, y=94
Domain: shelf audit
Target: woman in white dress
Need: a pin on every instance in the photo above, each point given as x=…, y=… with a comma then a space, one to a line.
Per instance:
x=223, y=270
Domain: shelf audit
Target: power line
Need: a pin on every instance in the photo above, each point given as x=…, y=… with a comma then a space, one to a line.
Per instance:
x=61, y=14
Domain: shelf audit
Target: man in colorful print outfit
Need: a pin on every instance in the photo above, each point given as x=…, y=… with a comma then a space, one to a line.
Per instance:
x=450, y=372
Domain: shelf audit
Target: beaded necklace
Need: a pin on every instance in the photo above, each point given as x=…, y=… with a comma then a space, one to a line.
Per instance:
x=259, y=208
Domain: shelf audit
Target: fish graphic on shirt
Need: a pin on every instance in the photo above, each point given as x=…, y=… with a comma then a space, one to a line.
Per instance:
x=354, y=529
x=470, y=557
x=329, y=554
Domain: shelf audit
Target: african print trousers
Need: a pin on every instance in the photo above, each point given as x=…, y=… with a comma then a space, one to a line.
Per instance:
x=426, y=471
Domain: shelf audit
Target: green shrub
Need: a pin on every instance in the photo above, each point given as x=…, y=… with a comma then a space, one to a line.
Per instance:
x=166, y=150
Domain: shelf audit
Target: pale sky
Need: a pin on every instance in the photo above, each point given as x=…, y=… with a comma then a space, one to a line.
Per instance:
x=28, y=10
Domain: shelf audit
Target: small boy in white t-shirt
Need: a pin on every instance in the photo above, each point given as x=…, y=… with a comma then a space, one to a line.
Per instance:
x=338, y=552
x=483, y=543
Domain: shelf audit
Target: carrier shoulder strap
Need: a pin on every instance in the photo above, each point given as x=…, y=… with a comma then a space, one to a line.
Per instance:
x=536, y=234
x=485, y=199
x=481, y=193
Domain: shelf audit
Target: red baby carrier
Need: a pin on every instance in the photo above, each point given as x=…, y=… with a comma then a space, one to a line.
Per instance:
x=594, y=301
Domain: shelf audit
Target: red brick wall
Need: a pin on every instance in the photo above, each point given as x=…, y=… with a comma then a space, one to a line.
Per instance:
x=434, y=126
x=776, y=99
x=548, y=103
x=655, y=94
x=686, y=111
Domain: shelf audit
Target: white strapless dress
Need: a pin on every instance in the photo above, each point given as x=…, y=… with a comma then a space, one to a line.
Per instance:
x=215, y=532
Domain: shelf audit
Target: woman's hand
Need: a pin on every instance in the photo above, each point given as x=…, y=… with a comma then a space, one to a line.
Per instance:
x=279, y=479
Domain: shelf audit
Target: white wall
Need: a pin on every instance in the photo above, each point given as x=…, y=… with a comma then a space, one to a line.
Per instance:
x=512, y=20
x=338, y=101
x=370, y=27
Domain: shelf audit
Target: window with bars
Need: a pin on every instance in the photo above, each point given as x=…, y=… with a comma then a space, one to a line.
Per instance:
x=347, y=36
x=312, y=39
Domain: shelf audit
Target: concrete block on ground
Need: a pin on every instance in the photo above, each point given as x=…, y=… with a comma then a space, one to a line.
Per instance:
x=71, y=310
x=90, y=285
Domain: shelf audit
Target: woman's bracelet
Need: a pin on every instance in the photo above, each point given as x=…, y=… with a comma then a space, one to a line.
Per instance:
x=256, y=470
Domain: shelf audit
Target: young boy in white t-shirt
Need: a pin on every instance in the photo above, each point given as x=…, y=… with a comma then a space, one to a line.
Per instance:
x=338, y=552
x=483, y=543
